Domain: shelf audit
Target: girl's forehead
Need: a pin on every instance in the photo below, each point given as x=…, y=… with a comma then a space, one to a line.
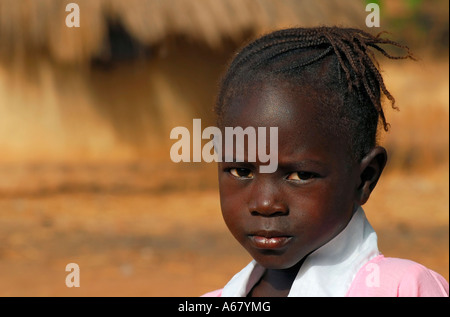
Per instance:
x=304, y=117
x=275, y=104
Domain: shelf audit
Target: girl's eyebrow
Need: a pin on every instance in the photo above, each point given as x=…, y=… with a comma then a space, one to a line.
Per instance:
x=299, y=164
x=291, y=160
x=248, y=165
x=233, y=159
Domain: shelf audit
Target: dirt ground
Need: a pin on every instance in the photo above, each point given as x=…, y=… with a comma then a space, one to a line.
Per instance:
x=134, y=236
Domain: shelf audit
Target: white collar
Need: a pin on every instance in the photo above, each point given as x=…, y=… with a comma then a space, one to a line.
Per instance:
x=328, y=271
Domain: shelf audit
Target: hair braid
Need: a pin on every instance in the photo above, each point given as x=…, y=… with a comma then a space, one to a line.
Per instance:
x=289, y=51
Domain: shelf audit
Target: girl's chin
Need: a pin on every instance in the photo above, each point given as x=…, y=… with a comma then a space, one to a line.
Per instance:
x=275, y=262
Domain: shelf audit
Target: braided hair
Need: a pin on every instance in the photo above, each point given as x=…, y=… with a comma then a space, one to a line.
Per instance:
x=352, y=78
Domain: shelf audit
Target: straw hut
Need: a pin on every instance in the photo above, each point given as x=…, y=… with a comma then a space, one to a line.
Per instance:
x=114, y=87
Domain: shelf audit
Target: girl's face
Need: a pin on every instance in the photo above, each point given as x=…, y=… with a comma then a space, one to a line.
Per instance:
x=280, y=218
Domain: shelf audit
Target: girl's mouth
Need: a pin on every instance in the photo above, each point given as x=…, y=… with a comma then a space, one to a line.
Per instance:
x=269, y=240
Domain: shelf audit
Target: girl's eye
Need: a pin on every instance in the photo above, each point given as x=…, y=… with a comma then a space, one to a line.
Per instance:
x=241, y=172
x=301, y=176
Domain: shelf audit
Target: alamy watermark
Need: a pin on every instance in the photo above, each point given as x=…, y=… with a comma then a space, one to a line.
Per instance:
x=232, y=149
x=73, y=18
x=373, y=275
x=73, y=278
x=373, y=18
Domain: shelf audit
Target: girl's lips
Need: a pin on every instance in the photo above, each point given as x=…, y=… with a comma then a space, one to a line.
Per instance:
x=262, y=242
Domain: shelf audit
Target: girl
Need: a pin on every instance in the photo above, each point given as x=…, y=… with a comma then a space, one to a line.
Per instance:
x=303, y=224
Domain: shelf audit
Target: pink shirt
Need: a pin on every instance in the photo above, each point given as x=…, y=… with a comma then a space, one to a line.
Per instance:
x=391, y=277
x=397, y=278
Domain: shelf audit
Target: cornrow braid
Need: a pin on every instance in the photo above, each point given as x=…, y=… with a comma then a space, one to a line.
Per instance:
x=290, y=51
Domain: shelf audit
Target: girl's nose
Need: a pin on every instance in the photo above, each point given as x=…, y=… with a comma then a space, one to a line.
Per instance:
x=266, y=200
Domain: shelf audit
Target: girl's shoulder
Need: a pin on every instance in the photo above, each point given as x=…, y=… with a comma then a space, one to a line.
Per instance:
x=384, y=276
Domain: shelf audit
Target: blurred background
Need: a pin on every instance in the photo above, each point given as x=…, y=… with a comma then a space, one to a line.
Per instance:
x=85, y=117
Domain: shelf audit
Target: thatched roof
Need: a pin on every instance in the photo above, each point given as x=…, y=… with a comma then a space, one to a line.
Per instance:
x=30, y=26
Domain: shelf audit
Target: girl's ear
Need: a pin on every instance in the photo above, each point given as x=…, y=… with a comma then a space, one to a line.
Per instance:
x=371, y=167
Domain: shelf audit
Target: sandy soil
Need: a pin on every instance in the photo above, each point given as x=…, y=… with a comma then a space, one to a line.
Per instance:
x=136, y=230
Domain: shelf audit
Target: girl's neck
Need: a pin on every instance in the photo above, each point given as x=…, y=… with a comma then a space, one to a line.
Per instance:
x=275, y=283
